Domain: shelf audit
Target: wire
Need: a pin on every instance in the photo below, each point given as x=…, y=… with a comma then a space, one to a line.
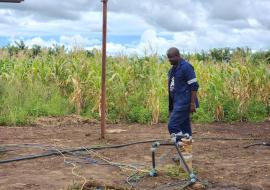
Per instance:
x=86, y=159
x=73, y=169
x=121, y=166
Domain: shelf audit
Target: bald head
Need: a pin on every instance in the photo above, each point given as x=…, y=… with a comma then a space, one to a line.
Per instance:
x=173, y=51
x=173, y=55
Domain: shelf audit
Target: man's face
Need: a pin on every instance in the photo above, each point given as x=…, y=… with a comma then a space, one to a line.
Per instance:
x=173, y=59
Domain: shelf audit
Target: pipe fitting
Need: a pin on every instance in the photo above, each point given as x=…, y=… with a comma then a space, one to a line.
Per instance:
x=153, y=149
x=193, y=178
x=153, y=172
x=156, y=144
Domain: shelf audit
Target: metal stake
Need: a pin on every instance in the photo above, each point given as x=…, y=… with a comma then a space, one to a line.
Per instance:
x=103, y=77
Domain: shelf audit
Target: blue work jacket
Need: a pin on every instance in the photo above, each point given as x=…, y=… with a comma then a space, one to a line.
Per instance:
x=181, y=81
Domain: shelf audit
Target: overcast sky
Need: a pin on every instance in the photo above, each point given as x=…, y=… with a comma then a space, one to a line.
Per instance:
x=139, y=25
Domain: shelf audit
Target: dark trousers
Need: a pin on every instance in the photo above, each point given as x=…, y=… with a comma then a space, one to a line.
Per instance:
x=180, y=122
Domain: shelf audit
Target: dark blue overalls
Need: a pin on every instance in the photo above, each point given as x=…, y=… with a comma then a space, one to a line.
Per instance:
x=181, y=81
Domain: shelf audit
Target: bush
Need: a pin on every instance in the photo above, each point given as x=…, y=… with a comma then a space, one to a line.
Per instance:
x=256, y=111
x=20, y=102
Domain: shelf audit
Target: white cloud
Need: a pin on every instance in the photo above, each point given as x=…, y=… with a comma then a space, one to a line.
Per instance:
x=254, y=23
x=34, y=41
x=39, y=41
x=187, y=24
x=77, y=41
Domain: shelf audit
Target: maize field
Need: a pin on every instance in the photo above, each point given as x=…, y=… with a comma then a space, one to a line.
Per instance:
x=234, y=85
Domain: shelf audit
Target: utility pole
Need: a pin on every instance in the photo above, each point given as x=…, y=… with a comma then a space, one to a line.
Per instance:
x=103, y=77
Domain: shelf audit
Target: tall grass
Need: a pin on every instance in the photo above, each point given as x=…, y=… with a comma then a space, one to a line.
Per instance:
x=234, y=85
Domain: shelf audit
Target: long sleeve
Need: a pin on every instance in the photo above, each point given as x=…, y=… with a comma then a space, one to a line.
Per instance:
x=191, y=78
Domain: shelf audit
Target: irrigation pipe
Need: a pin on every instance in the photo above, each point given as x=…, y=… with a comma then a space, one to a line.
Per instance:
x=55, y=153
x=258, y=144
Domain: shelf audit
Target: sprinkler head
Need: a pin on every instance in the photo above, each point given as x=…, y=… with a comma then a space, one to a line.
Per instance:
x=153, y=173
x=193, y=178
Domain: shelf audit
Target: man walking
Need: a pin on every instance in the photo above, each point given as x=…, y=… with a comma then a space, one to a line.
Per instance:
x=183, y=87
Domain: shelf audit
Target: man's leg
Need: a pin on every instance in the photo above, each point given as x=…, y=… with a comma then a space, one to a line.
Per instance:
x=179, y=122
x=186, y=125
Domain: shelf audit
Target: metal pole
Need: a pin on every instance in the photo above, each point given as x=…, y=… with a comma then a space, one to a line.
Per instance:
x=103, y=77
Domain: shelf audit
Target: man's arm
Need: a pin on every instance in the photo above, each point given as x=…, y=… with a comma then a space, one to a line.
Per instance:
x=193, y=101
x=192, y=82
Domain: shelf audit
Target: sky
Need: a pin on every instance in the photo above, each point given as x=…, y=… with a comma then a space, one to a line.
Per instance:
x=139, y=26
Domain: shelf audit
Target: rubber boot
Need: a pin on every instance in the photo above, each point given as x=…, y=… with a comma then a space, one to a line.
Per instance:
x=186, y=151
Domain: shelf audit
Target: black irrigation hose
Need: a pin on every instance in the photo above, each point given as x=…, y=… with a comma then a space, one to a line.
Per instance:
x=226, y=139
x=108, y=147
x=258, y=144
x=55, y=153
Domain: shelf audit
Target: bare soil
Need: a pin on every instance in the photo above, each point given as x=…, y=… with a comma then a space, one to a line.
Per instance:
x=220, y=163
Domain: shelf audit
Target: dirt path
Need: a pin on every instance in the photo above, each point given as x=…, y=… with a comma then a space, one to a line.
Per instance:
x=225, y=164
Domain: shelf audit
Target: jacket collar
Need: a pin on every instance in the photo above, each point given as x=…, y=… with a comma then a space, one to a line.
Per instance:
x=180, y=63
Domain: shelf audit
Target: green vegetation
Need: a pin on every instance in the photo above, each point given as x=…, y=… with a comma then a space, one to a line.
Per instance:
x=234, y=85
x=176, y=171
x=74, y=186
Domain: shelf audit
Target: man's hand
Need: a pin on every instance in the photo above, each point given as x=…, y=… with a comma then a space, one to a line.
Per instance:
x=192, y=108
x=193, y=100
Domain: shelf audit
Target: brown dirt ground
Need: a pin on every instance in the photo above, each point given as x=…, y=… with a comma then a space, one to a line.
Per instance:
x=223, y=164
